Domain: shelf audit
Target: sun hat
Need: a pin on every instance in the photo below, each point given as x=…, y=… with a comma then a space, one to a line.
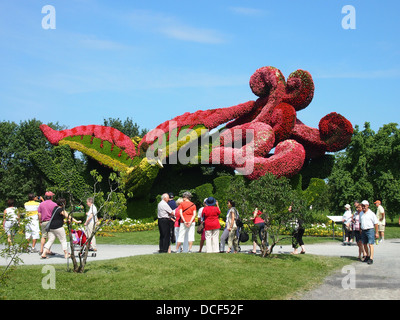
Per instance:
x=347, y=206
x=210, y=201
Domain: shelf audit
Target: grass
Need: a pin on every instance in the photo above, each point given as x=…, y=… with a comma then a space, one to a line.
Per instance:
x=176, y=277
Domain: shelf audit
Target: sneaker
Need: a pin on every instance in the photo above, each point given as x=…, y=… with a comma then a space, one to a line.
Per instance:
x=370, y=261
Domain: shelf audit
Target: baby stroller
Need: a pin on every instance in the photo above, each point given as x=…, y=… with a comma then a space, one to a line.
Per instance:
x=79, y=240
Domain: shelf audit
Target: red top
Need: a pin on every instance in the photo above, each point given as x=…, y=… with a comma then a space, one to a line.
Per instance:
x=258, y=218
x=211, y=218
x=187, y=210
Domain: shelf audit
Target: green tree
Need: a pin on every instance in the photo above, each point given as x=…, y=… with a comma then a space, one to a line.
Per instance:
x=18, y=175
x=273, y=196
x=127, y=126
x=368, y=169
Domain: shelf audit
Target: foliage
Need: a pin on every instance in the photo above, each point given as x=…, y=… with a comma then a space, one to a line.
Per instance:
x=109, y=204
x=127, y=127
x=273, y=196
x=18, y=175
x=63, y=171
x=369, y=169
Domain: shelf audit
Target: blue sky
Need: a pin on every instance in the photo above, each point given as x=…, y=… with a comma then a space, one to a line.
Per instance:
x=154, y=60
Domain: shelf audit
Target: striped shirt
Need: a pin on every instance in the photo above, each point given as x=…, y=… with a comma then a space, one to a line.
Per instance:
x=31, y=208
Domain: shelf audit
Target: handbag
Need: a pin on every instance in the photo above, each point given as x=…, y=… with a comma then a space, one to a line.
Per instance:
x=200, y=227
x=47, y=228
x=243, y=237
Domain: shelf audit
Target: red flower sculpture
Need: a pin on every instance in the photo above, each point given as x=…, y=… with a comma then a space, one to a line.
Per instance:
x=271, y=121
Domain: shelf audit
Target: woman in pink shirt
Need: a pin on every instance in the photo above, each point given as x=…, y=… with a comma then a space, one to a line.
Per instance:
x=260, y=224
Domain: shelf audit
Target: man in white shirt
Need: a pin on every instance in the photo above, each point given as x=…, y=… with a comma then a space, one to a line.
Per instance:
x=164, y=212
x=369, y=224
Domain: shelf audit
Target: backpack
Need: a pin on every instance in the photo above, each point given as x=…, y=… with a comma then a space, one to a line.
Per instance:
x=238, y=220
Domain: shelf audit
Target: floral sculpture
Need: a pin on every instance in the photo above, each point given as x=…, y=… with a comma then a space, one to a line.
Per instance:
x=272, y=118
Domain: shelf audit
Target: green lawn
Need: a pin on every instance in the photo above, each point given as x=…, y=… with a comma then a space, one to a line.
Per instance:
x=175, y=277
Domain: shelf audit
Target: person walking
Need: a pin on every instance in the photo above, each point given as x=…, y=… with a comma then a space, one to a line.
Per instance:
x=32, y=228
x=259, y=223
x=56, y=229
x=297, y=235
x=10, y=221
x=380, y=214
x=164, y=213
x=45, y=211
x=187, y=212
x=211, y=225
x=369, y=224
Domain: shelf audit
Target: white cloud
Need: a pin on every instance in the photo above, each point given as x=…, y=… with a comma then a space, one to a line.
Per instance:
x=247, y=11
x=174, y=28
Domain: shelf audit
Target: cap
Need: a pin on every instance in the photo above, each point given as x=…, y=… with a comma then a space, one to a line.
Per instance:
x=49, y=193
x=377, y=202
x=347, y=206
x=365, y=202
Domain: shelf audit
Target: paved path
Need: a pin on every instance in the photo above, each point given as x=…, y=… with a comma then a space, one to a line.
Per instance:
x=381, y=280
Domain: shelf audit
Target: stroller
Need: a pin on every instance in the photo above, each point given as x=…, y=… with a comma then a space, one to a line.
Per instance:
x=79, y=240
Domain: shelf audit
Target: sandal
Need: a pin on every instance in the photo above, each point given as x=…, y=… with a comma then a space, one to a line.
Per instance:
x=45, y=257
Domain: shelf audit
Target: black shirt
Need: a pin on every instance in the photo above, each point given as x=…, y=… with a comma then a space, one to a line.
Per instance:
x=58, y=219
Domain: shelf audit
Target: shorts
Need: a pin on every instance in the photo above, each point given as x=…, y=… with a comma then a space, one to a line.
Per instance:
x=368, y=236
x=10, y=227
x=43, y=229
x=32, y=228
x=357, y=235
x=381, y=227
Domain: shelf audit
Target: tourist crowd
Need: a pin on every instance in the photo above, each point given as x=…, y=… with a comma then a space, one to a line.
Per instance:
x=176, y=223
x=364, y=227
x=45, y=221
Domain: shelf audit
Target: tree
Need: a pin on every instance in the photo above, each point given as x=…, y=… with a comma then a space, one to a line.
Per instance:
x=109, y=203
x=18, y=175
x=369, y=169
x=127, y=127
x=273, y=196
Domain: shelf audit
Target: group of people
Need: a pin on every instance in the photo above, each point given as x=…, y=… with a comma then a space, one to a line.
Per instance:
x=45, y=221
x=176, y=221
x=365, y=226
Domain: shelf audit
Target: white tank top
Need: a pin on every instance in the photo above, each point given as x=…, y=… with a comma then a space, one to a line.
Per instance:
x=11, y=214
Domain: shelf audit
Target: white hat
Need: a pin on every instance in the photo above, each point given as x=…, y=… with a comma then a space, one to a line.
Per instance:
x=347, y=206
x=365, y=202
